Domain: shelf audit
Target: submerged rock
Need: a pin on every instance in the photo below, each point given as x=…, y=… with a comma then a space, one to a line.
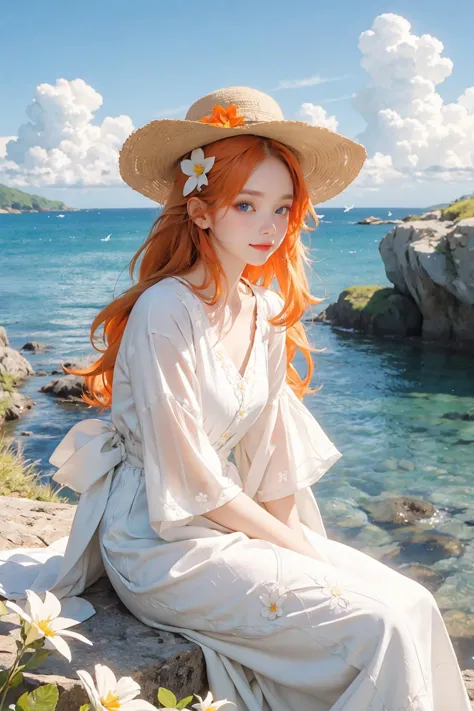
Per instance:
x=431, y=579
x=399, y=509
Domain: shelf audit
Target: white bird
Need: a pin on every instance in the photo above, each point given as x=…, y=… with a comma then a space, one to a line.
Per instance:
x=106, y=239
x=319, y=216
x=59, y=215
x=389, y=213
x=347, y=208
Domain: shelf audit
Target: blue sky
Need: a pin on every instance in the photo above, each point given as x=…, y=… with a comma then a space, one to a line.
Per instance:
x=153, y=59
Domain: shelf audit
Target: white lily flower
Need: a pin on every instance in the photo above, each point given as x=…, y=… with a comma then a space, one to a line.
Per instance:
x=43, y=616
x=196, y=167
x=110, y=694
x=209, y=704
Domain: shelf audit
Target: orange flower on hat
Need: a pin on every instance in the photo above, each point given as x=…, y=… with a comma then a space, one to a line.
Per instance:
x=225, y=118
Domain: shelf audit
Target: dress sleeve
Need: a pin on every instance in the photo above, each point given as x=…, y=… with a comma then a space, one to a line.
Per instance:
x=184, y=475
x=286, y=442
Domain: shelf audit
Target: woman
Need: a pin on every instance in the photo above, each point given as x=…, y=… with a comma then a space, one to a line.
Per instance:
x=196, y=500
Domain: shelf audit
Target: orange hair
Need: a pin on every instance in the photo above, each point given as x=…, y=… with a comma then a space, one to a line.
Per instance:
x=175, y=243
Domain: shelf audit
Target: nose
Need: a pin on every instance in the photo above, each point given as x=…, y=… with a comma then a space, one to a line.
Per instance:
x=268, y=229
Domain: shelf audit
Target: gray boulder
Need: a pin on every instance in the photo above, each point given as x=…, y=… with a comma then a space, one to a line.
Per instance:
x=432, y=262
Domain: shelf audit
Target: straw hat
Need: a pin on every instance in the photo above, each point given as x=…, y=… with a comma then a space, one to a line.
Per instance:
x=150, y=156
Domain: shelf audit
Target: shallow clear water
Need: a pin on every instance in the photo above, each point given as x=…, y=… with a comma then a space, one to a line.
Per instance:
x=383, y=401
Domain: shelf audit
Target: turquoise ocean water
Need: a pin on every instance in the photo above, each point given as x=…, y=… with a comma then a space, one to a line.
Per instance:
x=384, y=401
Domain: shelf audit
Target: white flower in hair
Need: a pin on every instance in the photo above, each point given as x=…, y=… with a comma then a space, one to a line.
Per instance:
x=196, y=167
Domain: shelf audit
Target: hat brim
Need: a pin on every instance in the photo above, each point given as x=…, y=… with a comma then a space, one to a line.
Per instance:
x=149, y=157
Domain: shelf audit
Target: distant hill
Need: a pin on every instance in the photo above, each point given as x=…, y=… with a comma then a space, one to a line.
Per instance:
x=13, y=200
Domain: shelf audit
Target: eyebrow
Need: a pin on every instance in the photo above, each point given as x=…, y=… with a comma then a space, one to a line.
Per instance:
x=259, y=194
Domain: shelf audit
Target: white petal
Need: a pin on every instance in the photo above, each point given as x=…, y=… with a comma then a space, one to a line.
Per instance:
x=265, y=612
x=138, y=705
x=217, y=704
x=187, y=166
x=126, y=689
x=62, y=623
x=59, y=644
x=197, y=156
x=34, y=634
x=74, y=635
x=266, y=600
x=88, y=684
x=274, y=595
x=189, y=185
x=16, y=608
x=105, y=678
x=279, y=611
x=208, y=163
x=271, y=615
x=202, y=180
x=36, y=605
x=51, y=605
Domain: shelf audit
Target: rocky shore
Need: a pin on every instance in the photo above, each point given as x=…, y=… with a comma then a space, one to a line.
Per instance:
x=430, y=263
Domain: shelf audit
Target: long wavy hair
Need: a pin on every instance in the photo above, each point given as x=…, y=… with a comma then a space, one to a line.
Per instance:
x=175, y=244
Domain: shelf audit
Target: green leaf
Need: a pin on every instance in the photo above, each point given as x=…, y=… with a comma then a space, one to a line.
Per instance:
x=44, y=698
x=85, y=707
x=36, y=659
x=4, y=609
x=3, y=678
x=16, y=681
x=184, y=702
x=167, y=698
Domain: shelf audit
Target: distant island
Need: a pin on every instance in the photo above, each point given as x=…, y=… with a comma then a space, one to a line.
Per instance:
x=459, y=209
x=13, y=201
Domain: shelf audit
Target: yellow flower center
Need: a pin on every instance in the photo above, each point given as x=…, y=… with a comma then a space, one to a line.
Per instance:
x=111, y=702
x=337, y=592
x=273, y=607
x=198, y=169
x=43, y=625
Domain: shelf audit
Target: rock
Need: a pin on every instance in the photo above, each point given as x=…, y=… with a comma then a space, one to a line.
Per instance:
x=41, y=373
x=69, y=387
x=399, y=509
x=432, y=262
x=426, y=547
x=26, y=433
x=377, y=221
x=33, y=524
x=422, y=574
x=468, y=676
x=152, y=657
x=16, y=405
x=3, y=337
x=13, y=363
x=374, y=310
x=465, y=416
x=35, y=347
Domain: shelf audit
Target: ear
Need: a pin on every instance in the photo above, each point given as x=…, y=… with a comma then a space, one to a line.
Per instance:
x=197, y=212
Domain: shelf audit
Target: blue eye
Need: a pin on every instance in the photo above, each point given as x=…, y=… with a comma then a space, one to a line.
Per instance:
x=284, y=207
x=243, y=203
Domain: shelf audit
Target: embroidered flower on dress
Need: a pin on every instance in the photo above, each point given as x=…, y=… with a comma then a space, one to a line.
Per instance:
x=202, y=498
x=282, y=476
x=272, y=604
x=196, y=167
x=338, y=601
x=225, y=118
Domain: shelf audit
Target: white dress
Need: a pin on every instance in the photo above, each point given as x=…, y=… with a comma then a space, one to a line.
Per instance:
x=279, y=631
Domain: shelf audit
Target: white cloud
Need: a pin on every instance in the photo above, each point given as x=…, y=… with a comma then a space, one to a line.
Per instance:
x=317, y=116
x=308, y=81
x=3, y=144
x=60, y=145
x=408, y=123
